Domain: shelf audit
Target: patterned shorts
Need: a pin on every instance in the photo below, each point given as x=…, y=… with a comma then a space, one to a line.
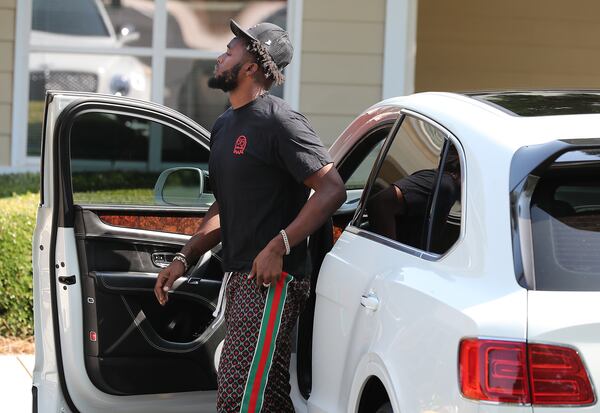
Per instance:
x=253, y=373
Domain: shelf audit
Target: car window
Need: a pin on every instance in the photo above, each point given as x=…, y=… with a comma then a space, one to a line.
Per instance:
x=358, y=178
x=416, y=189
x=118, y=159
x=565, y=226
x=71, y=17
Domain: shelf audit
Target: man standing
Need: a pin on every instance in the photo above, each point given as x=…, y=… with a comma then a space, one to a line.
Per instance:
x=264, y=160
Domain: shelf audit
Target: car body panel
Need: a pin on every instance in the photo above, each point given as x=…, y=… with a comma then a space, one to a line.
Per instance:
x=426, y=308
x=570, y=318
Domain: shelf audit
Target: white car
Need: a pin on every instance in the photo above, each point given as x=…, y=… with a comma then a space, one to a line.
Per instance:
x=483, y=297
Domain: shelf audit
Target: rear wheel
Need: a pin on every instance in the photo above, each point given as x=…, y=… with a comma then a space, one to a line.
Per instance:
x=386, y=408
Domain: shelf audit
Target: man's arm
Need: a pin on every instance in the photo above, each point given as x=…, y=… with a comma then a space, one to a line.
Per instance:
x=329, y=195
x=207, y=237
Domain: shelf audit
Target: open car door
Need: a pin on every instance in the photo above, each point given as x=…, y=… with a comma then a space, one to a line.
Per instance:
x=124, y=185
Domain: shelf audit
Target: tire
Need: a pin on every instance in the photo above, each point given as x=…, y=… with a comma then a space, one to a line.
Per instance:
x=385, y=408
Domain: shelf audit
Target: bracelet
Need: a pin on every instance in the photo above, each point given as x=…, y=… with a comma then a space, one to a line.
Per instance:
x=285, y=241
x=181, y=257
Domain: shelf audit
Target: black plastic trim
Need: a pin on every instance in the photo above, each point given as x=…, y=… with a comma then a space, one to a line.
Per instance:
x=428, y=229
x=533, y=160
x=142, y=210
x=34, y=399
x=49, y=99
x=390, y=243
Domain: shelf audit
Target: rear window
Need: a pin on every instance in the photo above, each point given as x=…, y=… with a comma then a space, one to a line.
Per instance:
x=542, y=103
x=565, y=219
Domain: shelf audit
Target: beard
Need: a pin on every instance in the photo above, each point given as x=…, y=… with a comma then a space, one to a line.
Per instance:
x=226, y=81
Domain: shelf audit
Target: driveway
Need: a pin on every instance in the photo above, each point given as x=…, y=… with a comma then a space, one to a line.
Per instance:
x=15, y=382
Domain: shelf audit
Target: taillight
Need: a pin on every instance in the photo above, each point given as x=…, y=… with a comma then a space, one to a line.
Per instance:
x=558, y=376
x=515, y=372
x=494, y=371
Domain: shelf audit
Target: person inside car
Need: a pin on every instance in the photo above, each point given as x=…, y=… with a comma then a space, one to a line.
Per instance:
x=400, y=211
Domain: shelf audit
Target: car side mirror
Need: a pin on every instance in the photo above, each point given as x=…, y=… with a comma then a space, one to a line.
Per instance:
x=181, y=186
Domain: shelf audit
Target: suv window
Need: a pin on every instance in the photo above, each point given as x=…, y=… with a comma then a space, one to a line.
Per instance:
x=415, y=198
x=358, y=178
x=116, y=159
x=565, y=225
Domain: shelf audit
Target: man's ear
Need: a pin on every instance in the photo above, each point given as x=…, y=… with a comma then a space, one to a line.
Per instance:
x=251, y=69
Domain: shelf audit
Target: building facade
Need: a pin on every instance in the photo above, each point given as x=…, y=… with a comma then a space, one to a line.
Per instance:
x=7, y=46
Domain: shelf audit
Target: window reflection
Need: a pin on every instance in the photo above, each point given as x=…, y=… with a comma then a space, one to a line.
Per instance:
x=204, y=24
x=186, y=90
x=94, y=28
x=110, y=74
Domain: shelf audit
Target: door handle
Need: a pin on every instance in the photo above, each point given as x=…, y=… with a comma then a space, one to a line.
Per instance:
x=370, y=301
x=162, y=259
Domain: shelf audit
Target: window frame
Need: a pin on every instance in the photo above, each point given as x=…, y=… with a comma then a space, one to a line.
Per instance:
x=380, y=239
x=159, y=52
x=62, y=159
x=150, y=117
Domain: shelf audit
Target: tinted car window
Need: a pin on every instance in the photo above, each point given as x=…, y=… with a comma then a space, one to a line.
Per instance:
x=116, y=159
x=565, y=221
x=401, y=204
x=542, y=103
x=358, y=178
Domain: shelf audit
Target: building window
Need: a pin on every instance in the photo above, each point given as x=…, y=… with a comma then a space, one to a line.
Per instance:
x=159, y=50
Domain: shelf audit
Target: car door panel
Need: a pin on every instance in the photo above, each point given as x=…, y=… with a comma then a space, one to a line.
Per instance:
x=132, y=332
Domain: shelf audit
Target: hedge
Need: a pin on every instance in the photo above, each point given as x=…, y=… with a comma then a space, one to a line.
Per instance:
x=17, y=184
x=17, y=221
x=22, y=183
x=19, y=198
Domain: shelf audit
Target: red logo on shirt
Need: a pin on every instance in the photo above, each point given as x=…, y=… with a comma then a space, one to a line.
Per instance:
x=240, y=145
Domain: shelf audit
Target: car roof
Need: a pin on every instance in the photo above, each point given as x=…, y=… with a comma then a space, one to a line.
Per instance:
x=477, y=116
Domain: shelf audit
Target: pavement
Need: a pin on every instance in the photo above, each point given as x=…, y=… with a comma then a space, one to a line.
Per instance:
x=15, y=382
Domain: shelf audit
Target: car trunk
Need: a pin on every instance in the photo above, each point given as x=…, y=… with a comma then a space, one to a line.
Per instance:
x=564, y=300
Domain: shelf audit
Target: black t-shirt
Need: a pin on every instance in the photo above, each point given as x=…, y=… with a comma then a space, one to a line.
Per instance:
x=260, y=155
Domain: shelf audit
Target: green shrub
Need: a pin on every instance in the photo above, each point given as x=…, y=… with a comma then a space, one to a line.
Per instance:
x=22, y=183
x=17, y=221
x=98, y=181
x=18, y=207
x=17, y=184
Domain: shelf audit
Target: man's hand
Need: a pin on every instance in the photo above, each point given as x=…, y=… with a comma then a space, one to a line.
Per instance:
x=207, y=237
x=268, y=264
x=165, y=280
